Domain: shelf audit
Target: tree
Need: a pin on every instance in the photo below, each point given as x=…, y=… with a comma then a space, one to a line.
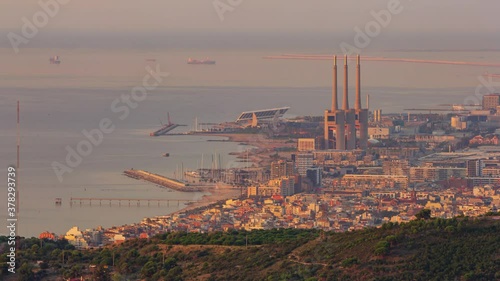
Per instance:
x=382, y=248
x=175, y=274
x=101, y=273
x=76, y=270
x=35, y=248
x=424, y=214
x=124, y=268
x=26, y=272
x=44, y=265
x=170, y=263
x=148, y=269
x=117, y=277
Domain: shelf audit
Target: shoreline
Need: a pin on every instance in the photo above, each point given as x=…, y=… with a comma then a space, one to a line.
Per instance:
x=262, y=148
x=259, y=152
x=216, y=194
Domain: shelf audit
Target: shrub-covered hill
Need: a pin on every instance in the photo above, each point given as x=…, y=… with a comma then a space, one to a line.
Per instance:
x=438, y=249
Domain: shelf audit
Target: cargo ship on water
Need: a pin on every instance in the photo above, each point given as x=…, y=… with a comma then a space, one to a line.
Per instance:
x=54, y=60
x=205, y=61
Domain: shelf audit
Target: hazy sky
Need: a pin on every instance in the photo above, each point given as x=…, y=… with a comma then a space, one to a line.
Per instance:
x=257, y=15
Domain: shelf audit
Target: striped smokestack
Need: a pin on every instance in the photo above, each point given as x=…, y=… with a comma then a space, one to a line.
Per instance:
x=357, y=104
x=335, y=104
x=345, y=104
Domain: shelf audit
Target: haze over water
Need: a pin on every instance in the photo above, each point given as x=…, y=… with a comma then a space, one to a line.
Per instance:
x=59, y=101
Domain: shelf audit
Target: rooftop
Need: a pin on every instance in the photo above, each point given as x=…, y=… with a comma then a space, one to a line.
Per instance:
x=263, y=114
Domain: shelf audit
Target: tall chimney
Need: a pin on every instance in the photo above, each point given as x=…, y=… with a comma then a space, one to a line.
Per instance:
x=345, y=104
x=357, y=104
x=335, y=105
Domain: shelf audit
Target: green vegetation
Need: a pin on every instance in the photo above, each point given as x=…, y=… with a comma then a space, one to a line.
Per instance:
x=425, y=249
x=424, y=214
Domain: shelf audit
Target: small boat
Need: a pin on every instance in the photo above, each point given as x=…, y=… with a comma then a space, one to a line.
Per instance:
x=55, y=60
x=166, y=155
x=205, y=61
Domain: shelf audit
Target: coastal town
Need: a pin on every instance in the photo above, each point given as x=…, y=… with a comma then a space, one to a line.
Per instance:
x=301, y=172
x=250, y=140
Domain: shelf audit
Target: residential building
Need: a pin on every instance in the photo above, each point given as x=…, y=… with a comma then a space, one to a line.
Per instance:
x=491, y=101
x=396, y=167
x=281, y=168
x=304, y=161
x=475, y=168
x=315, y=174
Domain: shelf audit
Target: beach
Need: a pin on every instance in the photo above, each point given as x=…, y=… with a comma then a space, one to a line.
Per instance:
x=221, y=193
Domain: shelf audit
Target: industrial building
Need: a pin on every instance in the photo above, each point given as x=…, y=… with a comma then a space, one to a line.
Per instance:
x=306, y=144
x=377, y=116
x=340, y=125
x=380, y=132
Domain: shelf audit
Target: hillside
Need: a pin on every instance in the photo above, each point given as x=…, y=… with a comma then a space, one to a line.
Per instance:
x=438, y=249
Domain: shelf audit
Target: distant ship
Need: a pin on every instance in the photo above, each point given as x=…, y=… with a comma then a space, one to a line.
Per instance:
x=55, y=60
x=205, y=61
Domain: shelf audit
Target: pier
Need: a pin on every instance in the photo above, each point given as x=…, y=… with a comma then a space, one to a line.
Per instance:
x=165, y=128
x=161, y=180
x=99, y=201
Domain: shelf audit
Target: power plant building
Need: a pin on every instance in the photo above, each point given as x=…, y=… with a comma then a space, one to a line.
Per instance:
x=341, y=125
